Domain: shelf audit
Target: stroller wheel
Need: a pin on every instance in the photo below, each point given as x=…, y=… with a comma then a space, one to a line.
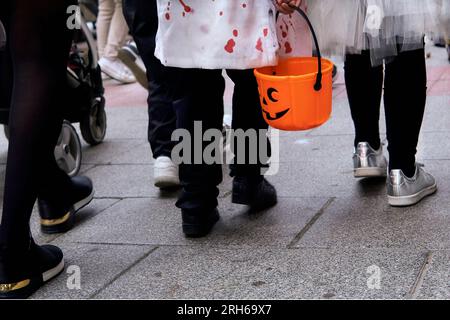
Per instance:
x=68, y=150
x=93, y=125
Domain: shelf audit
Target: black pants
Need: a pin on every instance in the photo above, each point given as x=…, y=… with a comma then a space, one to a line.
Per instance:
x=405, y=86
x=198, y=96
x=142, y=19
x=32, y=85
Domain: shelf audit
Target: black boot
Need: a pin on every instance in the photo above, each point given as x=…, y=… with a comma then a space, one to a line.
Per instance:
x=58, y=215
x=198, y=223
x=22, y=272
x=255, y=192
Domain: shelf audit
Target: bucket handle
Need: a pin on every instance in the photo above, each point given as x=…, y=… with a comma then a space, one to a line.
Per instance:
x=318, y=84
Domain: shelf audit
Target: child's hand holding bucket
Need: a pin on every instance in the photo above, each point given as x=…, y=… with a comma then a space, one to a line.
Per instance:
x=287, y=6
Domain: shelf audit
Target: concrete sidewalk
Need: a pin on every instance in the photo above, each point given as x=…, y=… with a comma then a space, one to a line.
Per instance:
x=329, y=237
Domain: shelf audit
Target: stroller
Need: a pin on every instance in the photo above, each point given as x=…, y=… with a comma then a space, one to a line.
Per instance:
x=85, y=104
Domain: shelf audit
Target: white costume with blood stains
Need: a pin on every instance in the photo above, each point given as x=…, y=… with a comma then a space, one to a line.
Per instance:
x=224, y=34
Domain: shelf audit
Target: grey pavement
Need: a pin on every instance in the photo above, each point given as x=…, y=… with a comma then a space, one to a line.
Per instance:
x=330, y=236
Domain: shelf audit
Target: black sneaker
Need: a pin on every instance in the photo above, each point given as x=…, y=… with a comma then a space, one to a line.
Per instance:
x=21, y=275
x=129, y=55
x=58, y=215
x=259, y=194
x=198, y=223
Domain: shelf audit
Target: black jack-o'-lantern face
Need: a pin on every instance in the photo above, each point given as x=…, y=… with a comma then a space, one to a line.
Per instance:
x=272, y=94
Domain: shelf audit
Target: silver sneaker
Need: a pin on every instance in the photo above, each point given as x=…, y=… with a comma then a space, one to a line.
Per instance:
x=368, y=162
x=404, y=191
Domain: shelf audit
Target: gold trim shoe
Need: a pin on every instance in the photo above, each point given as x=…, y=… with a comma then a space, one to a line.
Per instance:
x=22, y=274
x=58, y=215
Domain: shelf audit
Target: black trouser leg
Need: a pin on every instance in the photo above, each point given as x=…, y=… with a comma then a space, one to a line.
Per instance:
x=247, y=115
x=6, y=71
x=142, y=19
x=364, y=89
x=39, y=42
x=405, y=99
x=198, y=96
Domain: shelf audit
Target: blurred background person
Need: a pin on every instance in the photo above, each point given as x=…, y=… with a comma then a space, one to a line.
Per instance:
x=112, y=31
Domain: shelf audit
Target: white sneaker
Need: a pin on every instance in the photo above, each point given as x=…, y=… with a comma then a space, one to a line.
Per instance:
x=116, y=70
x=166, y=173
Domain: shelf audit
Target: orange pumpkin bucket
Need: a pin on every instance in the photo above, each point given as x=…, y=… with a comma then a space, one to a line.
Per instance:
x=297, y=93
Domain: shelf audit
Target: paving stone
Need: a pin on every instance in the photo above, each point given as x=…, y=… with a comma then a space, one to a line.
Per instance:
x=223, y=273
x=109, y=152
x=310, y=179
x=436, y=283
x=370, y=222
x=97, y=266
x=158, y=222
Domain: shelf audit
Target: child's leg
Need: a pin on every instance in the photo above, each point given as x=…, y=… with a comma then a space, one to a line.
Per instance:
x=247, y=115
x=105, y=14
x=118, y=32
x=405, y=98
x=364, y=89
x=142, y=19
x=249, y=186
x=198, y=96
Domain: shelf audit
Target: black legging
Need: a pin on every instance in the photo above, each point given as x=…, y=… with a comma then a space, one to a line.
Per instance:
x=37, y=50
x=405, y=86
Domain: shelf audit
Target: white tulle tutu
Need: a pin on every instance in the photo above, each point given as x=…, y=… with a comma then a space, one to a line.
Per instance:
x=385, y=27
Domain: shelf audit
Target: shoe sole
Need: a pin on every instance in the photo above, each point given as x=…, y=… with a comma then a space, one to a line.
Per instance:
x=34, y=284
x=200, y=230
x=166, y=182
x=411, y=200
x=373, y=172
x=70, y=221
x=239, y=197
x=114, y=76
x=129, y=60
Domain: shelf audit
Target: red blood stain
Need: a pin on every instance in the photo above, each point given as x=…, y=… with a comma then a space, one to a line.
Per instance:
x=287, y=47
x=235, y=33
x=185, y=6
x=168, y=16
x=266, y=32
x=284, y=34
x=259, y=45
x=230, y=46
